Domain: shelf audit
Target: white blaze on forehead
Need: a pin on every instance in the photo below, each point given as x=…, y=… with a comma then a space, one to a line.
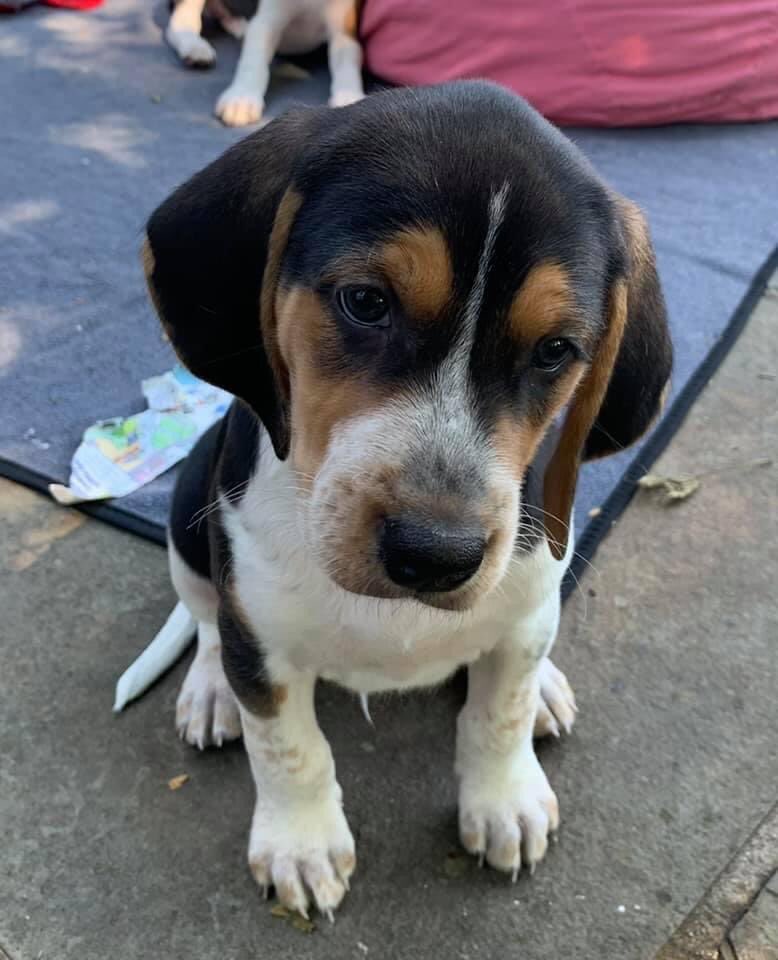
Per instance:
x=497, y=205
x=452, y=388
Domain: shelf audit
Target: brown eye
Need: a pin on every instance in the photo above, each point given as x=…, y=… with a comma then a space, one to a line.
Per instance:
x=366, y=306
x=551, y=353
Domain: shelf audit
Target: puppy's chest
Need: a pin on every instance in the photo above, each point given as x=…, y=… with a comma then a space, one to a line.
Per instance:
x=304, y=621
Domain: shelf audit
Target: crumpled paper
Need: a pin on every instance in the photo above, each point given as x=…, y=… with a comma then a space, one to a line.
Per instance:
x=119, y=455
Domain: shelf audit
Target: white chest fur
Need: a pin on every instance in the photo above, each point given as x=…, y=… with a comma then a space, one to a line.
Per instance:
x=306, y=622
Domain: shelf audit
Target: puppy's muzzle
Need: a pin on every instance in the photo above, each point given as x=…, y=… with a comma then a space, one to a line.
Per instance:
x=427, y=556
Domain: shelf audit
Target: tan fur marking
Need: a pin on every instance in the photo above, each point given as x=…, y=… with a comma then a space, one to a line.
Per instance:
x=516, y=441
x=562, y=472
x=279, y=236
x=319, y=401
x=148, y=262
x=147, y=258
x=418, y=265
x=543, y=299
x=415, y=262
x=636, y=229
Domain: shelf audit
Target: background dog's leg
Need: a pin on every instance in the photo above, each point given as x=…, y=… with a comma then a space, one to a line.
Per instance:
x=183, y=34
x=344, y=52
x=235, y=26
x=244, y=100
x=300, y=841
x=506, y=806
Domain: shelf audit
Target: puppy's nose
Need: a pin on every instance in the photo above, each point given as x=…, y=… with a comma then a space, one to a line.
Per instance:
x=430, y=557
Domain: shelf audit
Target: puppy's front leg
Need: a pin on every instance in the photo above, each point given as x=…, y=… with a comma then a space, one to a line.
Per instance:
x=344, y=53
x=506, y=806
x=244, y=100
x=300, y=842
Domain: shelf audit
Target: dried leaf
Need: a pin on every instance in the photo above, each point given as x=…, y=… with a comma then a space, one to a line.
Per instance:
x=673, y=488
x=294, y=919
x=301, y=923
x=286, y=70
x=456, y=865
x=177, y=782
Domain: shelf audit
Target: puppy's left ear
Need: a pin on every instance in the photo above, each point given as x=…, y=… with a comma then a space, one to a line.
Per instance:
x=623, y=390
x=644, y=361
x=212, y=257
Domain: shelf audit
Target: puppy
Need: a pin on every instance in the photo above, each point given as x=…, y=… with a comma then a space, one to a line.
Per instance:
x=430, y=309
x=276, y=26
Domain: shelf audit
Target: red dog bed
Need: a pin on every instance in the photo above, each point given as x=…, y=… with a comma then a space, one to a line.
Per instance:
x=591, y=62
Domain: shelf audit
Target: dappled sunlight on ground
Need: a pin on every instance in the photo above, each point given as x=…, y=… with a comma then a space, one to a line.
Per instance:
x=12, y=45
x=10, y=343
x=24, y=212
x=114, y=136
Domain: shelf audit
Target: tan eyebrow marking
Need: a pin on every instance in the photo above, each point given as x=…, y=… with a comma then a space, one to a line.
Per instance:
x=416, y=263
x=544, y=298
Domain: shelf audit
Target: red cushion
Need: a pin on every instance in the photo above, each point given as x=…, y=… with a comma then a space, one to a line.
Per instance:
x=592, y=62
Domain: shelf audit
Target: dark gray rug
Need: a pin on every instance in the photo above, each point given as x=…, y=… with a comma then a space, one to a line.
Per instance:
x=99, y=122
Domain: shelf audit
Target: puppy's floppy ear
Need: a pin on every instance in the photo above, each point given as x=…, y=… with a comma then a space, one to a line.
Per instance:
x=623, y=390
x=212, y=256
x=645, y=358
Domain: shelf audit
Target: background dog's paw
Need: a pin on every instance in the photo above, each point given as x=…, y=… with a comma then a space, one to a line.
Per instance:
x=235, y=26
x=507, y=820
x=342, y=98
x=239, y=106
x=557, y=707
x=207, y=711
x=193, y=49
x=306, y=854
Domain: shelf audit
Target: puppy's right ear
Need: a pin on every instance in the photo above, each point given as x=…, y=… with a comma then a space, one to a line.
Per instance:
x=212, y=256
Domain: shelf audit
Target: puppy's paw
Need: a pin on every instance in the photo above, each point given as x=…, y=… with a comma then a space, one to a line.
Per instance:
x=206, y=710
x=557, y=707
x=193, y=49
x=507, y=818
x=239, y=106
x=342, y=98
x=306, y=852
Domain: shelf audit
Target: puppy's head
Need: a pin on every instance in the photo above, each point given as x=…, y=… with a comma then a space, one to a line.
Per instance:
x=408, y=292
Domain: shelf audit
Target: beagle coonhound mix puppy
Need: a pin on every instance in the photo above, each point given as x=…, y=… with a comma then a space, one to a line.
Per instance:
x=430, y=309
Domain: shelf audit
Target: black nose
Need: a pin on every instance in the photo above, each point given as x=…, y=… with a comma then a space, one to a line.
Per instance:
x=430, y=557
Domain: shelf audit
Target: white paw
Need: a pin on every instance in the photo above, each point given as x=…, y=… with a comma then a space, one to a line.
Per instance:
x=342, y=98
x=305, y=851
x=239, y=106
x=557, y=702
x=191, y=48
x=206, y=710
x=507, y=817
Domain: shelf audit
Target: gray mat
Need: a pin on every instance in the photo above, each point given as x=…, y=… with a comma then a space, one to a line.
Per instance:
x=99, y=122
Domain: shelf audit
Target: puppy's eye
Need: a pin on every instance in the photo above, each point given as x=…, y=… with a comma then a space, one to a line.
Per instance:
x=366, y=306
x=551, y=353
